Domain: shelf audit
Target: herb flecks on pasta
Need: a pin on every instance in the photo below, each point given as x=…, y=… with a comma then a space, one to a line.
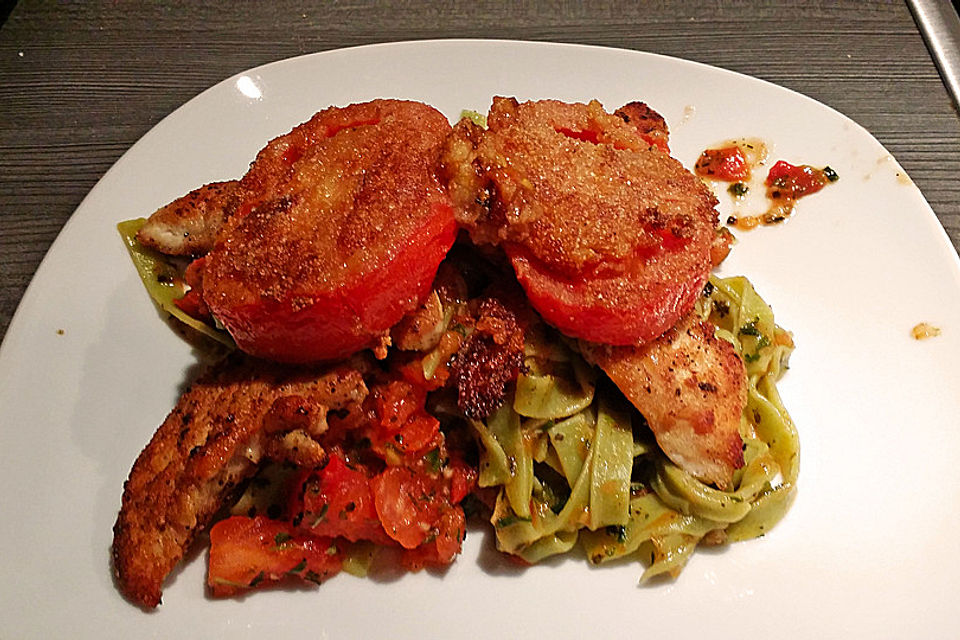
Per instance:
x=575, y=462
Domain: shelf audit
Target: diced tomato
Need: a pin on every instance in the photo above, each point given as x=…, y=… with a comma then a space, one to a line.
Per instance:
x=404, y=430
x=396, y=402
x=337, y=501
x=791, y=182
x=409, y=504
x=463, y=480
x=442, y=545
x=249, y=552
x=728, y=164
x=419, y=434
x=410, y=367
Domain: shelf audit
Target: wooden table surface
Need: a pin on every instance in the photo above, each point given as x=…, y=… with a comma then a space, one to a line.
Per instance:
x=80, y=82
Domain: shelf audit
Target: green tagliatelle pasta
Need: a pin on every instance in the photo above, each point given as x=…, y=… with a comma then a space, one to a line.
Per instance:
x=164, y=280
x=574, y=464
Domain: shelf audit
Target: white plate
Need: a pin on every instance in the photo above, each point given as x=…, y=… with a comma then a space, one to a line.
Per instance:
x=869, y=547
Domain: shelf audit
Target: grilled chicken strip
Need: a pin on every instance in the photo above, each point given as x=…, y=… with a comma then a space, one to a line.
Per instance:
x=189, y=225
x=240, y=413
x=691, y=387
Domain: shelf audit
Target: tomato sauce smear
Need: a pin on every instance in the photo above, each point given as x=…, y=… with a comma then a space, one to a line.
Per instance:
x=786, y=184
x=728, y=164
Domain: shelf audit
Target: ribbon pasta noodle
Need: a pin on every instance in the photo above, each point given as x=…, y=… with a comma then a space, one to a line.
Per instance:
x=575, y=463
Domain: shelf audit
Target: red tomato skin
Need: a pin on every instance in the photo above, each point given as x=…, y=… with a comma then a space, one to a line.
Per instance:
x=580, y=307
x=409, y=505
x=249, y=552
x=463, y=480
x=404, y=431
x=335, y=324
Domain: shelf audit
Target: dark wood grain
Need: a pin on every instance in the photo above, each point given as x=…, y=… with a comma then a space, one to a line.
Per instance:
x=81, y=81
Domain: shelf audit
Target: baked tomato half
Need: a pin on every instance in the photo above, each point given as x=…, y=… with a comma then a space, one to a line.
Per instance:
x=609, y=236
x=632, y=305
x=342, y=227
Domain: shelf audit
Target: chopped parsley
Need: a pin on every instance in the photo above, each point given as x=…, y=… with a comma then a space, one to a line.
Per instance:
x=738, y=189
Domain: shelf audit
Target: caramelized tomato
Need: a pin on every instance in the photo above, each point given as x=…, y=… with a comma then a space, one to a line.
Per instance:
x=609, y=237
x=340, y=236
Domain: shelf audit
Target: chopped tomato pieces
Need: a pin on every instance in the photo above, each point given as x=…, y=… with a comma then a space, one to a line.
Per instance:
x=728, y=164
x=463, y=480
x=337, y=501
x=248, y=552
x=398, y=491
x=409, y=504
x=404, y=431
x=443, y=544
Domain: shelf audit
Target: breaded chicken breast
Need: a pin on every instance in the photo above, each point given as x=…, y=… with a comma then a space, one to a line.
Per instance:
x=240, y=413
x=189, y=225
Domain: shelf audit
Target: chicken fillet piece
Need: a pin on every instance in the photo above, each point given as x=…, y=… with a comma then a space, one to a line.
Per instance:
x=188, y=226
x=238, y=414
x=691, y=387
